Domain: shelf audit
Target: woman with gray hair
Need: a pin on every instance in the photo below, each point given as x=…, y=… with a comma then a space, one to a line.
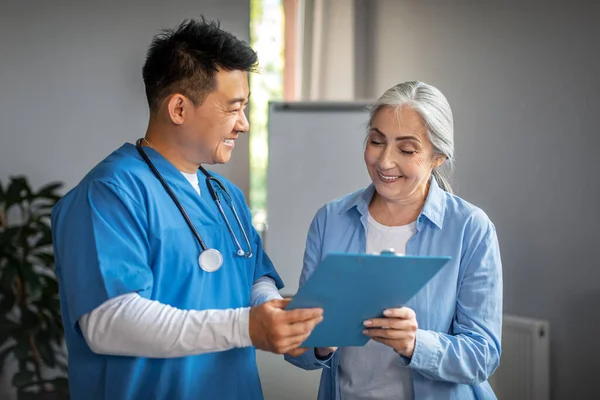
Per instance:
x=445, y=342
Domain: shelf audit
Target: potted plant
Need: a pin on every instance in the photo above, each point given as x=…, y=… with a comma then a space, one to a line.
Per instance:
x=31, y=330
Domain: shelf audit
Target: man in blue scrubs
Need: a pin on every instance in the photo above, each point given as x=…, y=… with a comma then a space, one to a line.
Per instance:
x=143, y=320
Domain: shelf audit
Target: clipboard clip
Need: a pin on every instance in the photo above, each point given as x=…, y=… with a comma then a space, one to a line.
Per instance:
x=390, y=252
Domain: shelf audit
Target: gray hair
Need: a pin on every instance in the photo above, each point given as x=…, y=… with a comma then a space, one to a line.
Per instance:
x=435, y=111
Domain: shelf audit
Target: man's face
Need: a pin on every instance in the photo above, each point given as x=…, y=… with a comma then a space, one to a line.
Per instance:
x=208, y=132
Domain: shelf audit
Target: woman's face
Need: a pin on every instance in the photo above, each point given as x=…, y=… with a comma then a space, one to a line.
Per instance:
x=399, y=155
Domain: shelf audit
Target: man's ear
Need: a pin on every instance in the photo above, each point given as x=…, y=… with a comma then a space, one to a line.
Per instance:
x=176, y=108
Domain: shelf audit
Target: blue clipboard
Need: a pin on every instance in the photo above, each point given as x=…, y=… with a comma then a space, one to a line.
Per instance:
x=351, y=288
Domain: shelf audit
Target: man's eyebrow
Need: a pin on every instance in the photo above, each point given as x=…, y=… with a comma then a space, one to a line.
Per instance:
x=239, y=100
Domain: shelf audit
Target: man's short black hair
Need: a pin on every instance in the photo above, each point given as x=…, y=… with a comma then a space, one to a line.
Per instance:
x=186, y=60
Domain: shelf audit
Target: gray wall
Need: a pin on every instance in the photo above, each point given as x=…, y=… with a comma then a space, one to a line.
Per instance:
x=522, y=78
x=71, y=89
x=70, y=83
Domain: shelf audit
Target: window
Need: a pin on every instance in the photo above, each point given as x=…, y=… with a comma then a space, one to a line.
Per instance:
x=266, y=37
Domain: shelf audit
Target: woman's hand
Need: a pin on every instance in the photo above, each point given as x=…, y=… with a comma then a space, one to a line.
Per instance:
x=398, y=330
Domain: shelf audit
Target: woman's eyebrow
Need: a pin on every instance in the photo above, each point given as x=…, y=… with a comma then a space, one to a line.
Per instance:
x=398, y=138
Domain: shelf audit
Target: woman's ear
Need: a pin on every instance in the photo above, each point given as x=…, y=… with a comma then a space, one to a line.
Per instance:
x=439, y=160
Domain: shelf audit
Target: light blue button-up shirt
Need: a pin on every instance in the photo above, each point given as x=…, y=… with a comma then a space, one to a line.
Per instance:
x=459, y=312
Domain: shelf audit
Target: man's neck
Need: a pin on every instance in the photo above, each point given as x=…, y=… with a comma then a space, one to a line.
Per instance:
x=169, y=151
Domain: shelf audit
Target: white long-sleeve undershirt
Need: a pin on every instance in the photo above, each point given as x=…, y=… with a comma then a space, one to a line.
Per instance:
x=131, y=325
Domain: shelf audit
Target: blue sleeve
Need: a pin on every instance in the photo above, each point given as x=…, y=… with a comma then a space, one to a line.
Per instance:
x=471, y=352
x=312, y=258
x=101, y=241
x=263, y=264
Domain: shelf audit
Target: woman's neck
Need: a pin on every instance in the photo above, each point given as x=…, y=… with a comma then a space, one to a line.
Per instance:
x=397, y=213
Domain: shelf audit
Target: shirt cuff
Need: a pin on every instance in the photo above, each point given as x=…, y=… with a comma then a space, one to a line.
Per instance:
x=323, y=361
x=263, y=290
x=243, y=324
x=427, y=351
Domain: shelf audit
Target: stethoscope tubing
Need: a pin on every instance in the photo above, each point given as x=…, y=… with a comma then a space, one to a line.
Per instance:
x=215, y=197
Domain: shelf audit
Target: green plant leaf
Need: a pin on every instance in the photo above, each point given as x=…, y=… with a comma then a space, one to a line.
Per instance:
x=4, y=354
x=55, y=308
x=44, y=211
x=31, y=278
x=4, y=336
x=45, y=238
x=22, y=351
x=46, y=351
x=18, y=190
x=8, y=240
x=44, y=258
x=25, y=251
x=30, y=321
x=7, y=303
x=61, y=385
x=23, y=378
x=49, y=191
x=8, y=278
x=54, y=330
x=62, y=364
x=7, y=325
x=46, y=305
x=49, y=296
x=23, y=363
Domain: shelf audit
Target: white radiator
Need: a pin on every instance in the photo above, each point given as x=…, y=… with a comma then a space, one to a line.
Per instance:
x=524, y=371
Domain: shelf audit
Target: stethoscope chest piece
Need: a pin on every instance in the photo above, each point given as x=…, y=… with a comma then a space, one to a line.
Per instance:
x=210, y=260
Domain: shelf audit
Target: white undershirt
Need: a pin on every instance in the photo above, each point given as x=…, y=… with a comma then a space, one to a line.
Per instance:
x=131, y=325
x=374, y=371
x=192, y=179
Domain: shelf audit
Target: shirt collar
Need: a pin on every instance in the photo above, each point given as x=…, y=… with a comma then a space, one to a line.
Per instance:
x=434, y=208
x=360, y=200
x=435, y=205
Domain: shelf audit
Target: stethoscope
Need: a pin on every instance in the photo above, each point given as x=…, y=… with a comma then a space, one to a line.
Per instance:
x=209, y=260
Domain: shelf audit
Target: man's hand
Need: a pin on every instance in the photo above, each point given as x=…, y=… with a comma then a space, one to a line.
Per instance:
x=274, y=329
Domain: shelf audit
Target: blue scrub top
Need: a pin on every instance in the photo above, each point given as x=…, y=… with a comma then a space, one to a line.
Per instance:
x=118, y=232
